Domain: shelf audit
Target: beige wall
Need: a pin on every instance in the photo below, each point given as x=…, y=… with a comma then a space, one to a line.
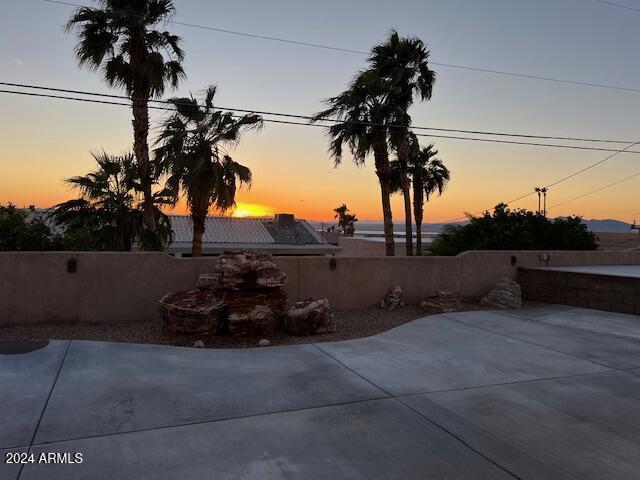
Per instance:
x=125, y=287
x=362, y=247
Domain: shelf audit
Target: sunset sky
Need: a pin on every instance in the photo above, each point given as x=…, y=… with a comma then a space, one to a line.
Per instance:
x=44, y=141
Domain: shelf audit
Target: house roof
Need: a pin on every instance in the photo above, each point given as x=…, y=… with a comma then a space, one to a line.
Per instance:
x=291, y=237
x=221, y=230
x=259, y=234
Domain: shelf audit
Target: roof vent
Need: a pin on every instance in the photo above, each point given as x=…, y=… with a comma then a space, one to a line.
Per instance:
x=284, y=220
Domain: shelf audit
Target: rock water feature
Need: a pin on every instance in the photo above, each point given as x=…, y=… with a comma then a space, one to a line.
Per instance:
x=243, y=296
x=253, y=289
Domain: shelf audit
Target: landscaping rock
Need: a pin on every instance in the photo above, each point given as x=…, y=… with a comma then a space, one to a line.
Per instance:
x=248, y=271
x=259, y=320
x=393, y=298
x=207, y=281
x=264, y=343
x=309, y=317
x=255, y=313
x=506, y=294
x=442, y=301
x=192, y=312
x=198, y=344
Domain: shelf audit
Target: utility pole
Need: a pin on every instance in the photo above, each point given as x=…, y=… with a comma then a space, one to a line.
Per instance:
x=542, y=209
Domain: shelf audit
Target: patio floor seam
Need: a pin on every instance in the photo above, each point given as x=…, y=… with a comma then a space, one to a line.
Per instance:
x=458, y=438
x=46, y=403
x=389, y=394
x=217, y=420
x=424, y=417
x=505, y=313
x=532, y=343
x=516, y=382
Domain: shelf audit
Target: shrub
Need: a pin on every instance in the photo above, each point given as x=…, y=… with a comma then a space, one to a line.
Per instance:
x=18, y=232
x=514, y=230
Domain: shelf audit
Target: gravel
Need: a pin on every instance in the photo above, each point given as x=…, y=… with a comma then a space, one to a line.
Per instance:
x=350, y=324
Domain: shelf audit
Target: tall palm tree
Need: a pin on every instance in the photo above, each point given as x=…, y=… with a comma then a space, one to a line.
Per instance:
x=402, y=63
x=428, y=175
x=191, y=150
x=109, y=208
x=362, y=113
x=120, y=39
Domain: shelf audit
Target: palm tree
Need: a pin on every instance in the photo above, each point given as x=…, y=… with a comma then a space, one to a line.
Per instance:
x=361, y=114
x=402, y=64
x=120, y=39
x=109, y=209
x=191, y=151
x=428, y=176
x=346, y=220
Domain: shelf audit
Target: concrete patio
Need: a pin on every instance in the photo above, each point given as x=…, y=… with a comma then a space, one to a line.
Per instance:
x=551, y=392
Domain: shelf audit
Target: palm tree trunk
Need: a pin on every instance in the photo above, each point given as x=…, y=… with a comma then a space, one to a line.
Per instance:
x=140, y=107
x=417, y=213
x=198, y=217
x=381, y=156
x=404, y=181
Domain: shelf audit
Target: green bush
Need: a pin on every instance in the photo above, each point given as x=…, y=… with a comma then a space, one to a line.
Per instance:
x=21, y=230
x=514, y=230
x=18, y=232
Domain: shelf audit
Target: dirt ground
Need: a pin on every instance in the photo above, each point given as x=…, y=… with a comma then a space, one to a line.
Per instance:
x=350, y=324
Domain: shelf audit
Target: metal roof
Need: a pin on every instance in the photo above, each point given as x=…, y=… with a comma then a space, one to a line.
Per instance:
x=221, y=230
x=252, y=234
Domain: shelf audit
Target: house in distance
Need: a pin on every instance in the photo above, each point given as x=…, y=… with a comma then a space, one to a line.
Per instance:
x=282, y=235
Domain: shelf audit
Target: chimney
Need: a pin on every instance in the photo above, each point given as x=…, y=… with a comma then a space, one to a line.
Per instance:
x=284, y=220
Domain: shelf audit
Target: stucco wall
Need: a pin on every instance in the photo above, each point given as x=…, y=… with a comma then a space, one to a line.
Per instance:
x=362, y=247
x=125, y=287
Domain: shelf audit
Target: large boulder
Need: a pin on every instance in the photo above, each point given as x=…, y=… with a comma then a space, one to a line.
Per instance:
x=192, y=312
x=506, y=294
x=255, y=313
x=245, y=271
x=441, y=301
x=393, y=298
x=309, y=317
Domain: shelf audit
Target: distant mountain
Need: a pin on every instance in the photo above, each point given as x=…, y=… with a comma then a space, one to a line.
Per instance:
x=608, y=225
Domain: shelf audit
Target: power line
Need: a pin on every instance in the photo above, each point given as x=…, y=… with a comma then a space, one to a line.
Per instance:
x=625, y=150
x=625, y=179
x=308, y=117
x=287, y=122
x=606, y=159
x=609, y=157
x=526, y=195
x=360, y=52
x=618, y=5
x=521, y=197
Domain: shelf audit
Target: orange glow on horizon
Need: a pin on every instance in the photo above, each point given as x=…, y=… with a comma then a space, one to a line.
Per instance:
x=244, y=210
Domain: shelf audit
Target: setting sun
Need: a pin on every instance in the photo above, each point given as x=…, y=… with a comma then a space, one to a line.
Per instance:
x=244, y=210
